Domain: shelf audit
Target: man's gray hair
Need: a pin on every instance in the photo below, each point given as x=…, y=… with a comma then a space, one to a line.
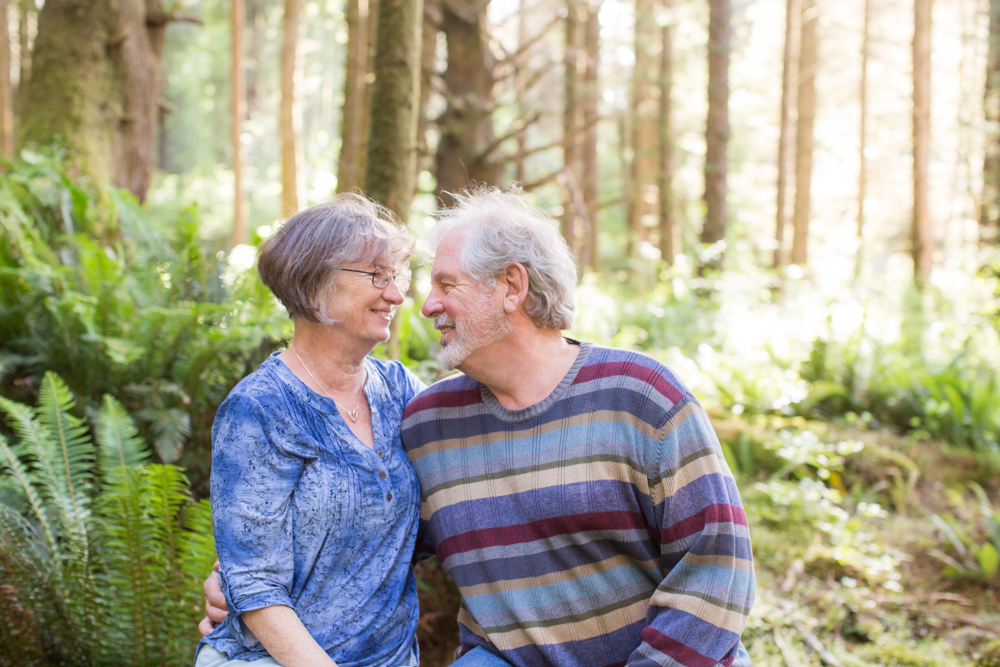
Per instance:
x=503, y=229
x=300, y=262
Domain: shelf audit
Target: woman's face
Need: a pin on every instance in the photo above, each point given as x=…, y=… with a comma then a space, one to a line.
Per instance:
x=359, y=308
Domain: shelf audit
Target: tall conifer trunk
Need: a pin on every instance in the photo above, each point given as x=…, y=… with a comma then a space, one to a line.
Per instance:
x=989, y=212
x=645, y=135
x=863, y=138
x=717, y=126
x=922, y=241
x=666, y=231
x=591, y=98
x=570, y=220
x=349, y=164
x=787, y=90
x=96, y=82
x=391, y=162
x=808, y=60
x=238, y=102
x=289, y=154
x=6, y=99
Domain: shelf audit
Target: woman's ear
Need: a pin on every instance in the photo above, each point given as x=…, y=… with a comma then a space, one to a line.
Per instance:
x=514, y=279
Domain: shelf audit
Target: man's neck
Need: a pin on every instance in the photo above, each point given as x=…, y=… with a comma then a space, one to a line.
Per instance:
x=523, y=368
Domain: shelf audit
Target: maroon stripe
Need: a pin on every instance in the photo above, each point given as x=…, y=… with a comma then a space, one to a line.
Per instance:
x=537, y=530
x=632, y=370
x=721, y=513
x=443, y=399
x=668, y=646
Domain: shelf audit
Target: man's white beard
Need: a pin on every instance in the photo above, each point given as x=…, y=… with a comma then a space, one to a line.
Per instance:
x=485, y=323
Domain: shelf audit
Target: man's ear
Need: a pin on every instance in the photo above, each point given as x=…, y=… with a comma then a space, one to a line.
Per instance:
x=514, y=280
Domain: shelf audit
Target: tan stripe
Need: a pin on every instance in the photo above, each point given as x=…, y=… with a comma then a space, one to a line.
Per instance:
x=527, y=434
x=729, y=619
x=556, y=577
x=541, y=467
x=576, y=630
x=721, y=561
x=531, y=480
x=466, y=618
x=692, y=472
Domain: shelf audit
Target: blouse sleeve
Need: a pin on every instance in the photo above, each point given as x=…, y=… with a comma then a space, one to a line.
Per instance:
x=253, y=478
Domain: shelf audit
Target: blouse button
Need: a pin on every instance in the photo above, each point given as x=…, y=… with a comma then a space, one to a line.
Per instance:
x=380, y=453
x=381, y=475
x=388, y=496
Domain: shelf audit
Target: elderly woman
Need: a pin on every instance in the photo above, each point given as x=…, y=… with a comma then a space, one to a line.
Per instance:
x=314, y=501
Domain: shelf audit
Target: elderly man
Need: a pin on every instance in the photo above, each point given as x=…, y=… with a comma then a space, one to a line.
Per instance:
x=576, y=494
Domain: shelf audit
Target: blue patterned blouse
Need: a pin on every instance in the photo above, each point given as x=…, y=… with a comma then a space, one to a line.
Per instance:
x=308, y=516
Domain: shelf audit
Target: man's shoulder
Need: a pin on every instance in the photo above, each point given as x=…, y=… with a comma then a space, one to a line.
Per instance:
x=617, y=366
x=452, y=392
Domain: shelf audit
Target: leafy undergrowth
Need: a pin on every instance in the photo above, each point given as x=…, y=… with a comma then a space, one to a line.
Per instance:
x=871, y=549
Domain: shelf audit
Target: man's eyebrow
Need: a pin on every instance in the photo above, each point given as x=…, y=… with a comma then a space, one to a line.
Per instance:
x=440, y=276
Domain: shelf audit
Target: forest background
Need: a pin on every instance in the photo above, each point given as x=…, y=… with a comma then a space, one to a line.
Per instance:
x=793, y=203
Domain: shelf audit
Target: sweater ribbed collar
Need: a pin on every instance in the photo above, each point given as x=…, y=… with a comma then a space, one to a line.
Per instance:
x=494, y=405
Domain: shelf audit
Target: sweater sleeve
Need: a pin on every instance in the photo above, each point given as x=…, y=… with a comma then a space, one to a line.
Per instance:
x=701, y=606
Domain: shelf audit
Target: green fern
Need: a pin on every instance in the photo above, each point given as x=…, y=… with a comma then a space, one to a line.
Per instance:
x=102, y=569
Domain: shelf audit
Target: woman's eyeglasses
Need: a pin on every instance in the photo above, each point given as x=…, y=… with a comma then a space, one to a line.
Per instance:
x=381, y=278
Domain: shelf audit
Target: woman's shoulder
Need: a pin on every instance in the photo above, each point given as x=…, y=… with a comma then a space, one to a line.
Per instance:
x=261, y=387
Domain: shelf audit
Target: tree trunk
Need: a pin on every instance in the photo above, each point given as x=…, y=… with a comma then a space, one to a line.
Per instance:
x=591, y=98
x=808, y=60
x=289, y=154
x=570, y=220
x=389, y=176
x=923, y=243
x=520, y=173
x=863, y=138
x=666, y=230
x=6, y=101
x=349, y=169
x=25, y=38
x=717, y=127
x=465, y=149
x=103, y=61
x=989, y=211
x=787, y=85
x=644, y=131
x=255, y=20
x=238, y=111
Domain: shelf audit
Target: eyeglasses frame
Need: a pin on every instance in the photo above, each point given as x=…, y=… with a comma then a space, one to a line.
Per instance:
x=392, y=278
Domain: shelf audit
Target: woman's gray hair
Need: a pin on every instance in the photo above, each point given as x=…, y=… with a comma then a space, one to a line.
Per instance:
x=300, y=262
x=503, y=229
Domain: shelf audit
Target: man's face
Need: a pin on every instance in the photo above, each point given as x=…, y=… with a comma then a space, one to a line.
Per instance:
x=468, y=314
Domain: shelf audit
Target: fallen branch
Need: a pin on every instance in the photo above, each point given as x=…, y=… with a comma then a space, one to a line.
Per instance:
x=779, y=641
x=966, y=619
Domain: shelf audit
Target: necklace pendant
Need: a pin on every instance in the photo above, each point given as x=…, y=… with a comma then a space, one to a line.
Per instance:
x=353, y=415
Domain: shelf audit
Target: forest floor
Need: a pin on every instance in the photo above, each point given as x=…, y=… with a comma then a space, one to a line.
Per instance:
x=865, y=550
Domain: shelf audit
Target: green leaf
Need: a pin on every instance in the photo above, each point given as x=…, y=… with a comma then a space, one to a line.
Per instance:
x=989, y=560
x=120, y=445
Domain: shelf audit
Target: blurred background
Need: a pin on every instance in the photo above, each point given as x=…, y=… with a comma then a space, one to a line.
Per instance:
x=793, y=203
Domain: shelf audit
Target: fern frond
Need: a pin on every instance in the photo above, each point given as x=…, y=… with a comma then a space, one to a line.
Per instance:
x=198, y=542
x=34, y=438
x=127, y=546
x=71, y=452
x=118, y=438
x=10, y=458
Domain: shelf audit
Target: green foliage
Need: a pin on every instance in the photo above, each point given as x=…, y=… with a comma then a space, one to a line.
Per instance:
x=116, y=300
x=971, y=536
x=101, y=553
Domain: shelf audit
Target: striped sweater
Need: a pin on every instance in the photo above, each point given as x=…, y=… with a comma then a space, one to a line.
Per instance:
x=598, y=527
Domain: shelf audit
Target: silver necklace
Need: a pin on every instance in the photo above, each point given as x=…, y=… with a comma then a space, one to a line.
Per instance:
x=353, y=414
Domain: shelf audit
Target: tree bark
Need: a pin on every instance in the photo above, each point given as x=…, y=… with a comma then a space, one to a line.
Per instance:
x=863, y=137
x=787, y=86
x=645, y=134
x=989, y=211
x=808, y=60
x=389, y=176
x=922, y=241
x=466, y=125
x=289, y=154
x=238, y=111
x=6, y=99
x=570, y=219
x=666, y=231
x=97, y=82
x=25, y=10
x=428, y=72
x=349, y=169
x=591, y=98
x=717, y=127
